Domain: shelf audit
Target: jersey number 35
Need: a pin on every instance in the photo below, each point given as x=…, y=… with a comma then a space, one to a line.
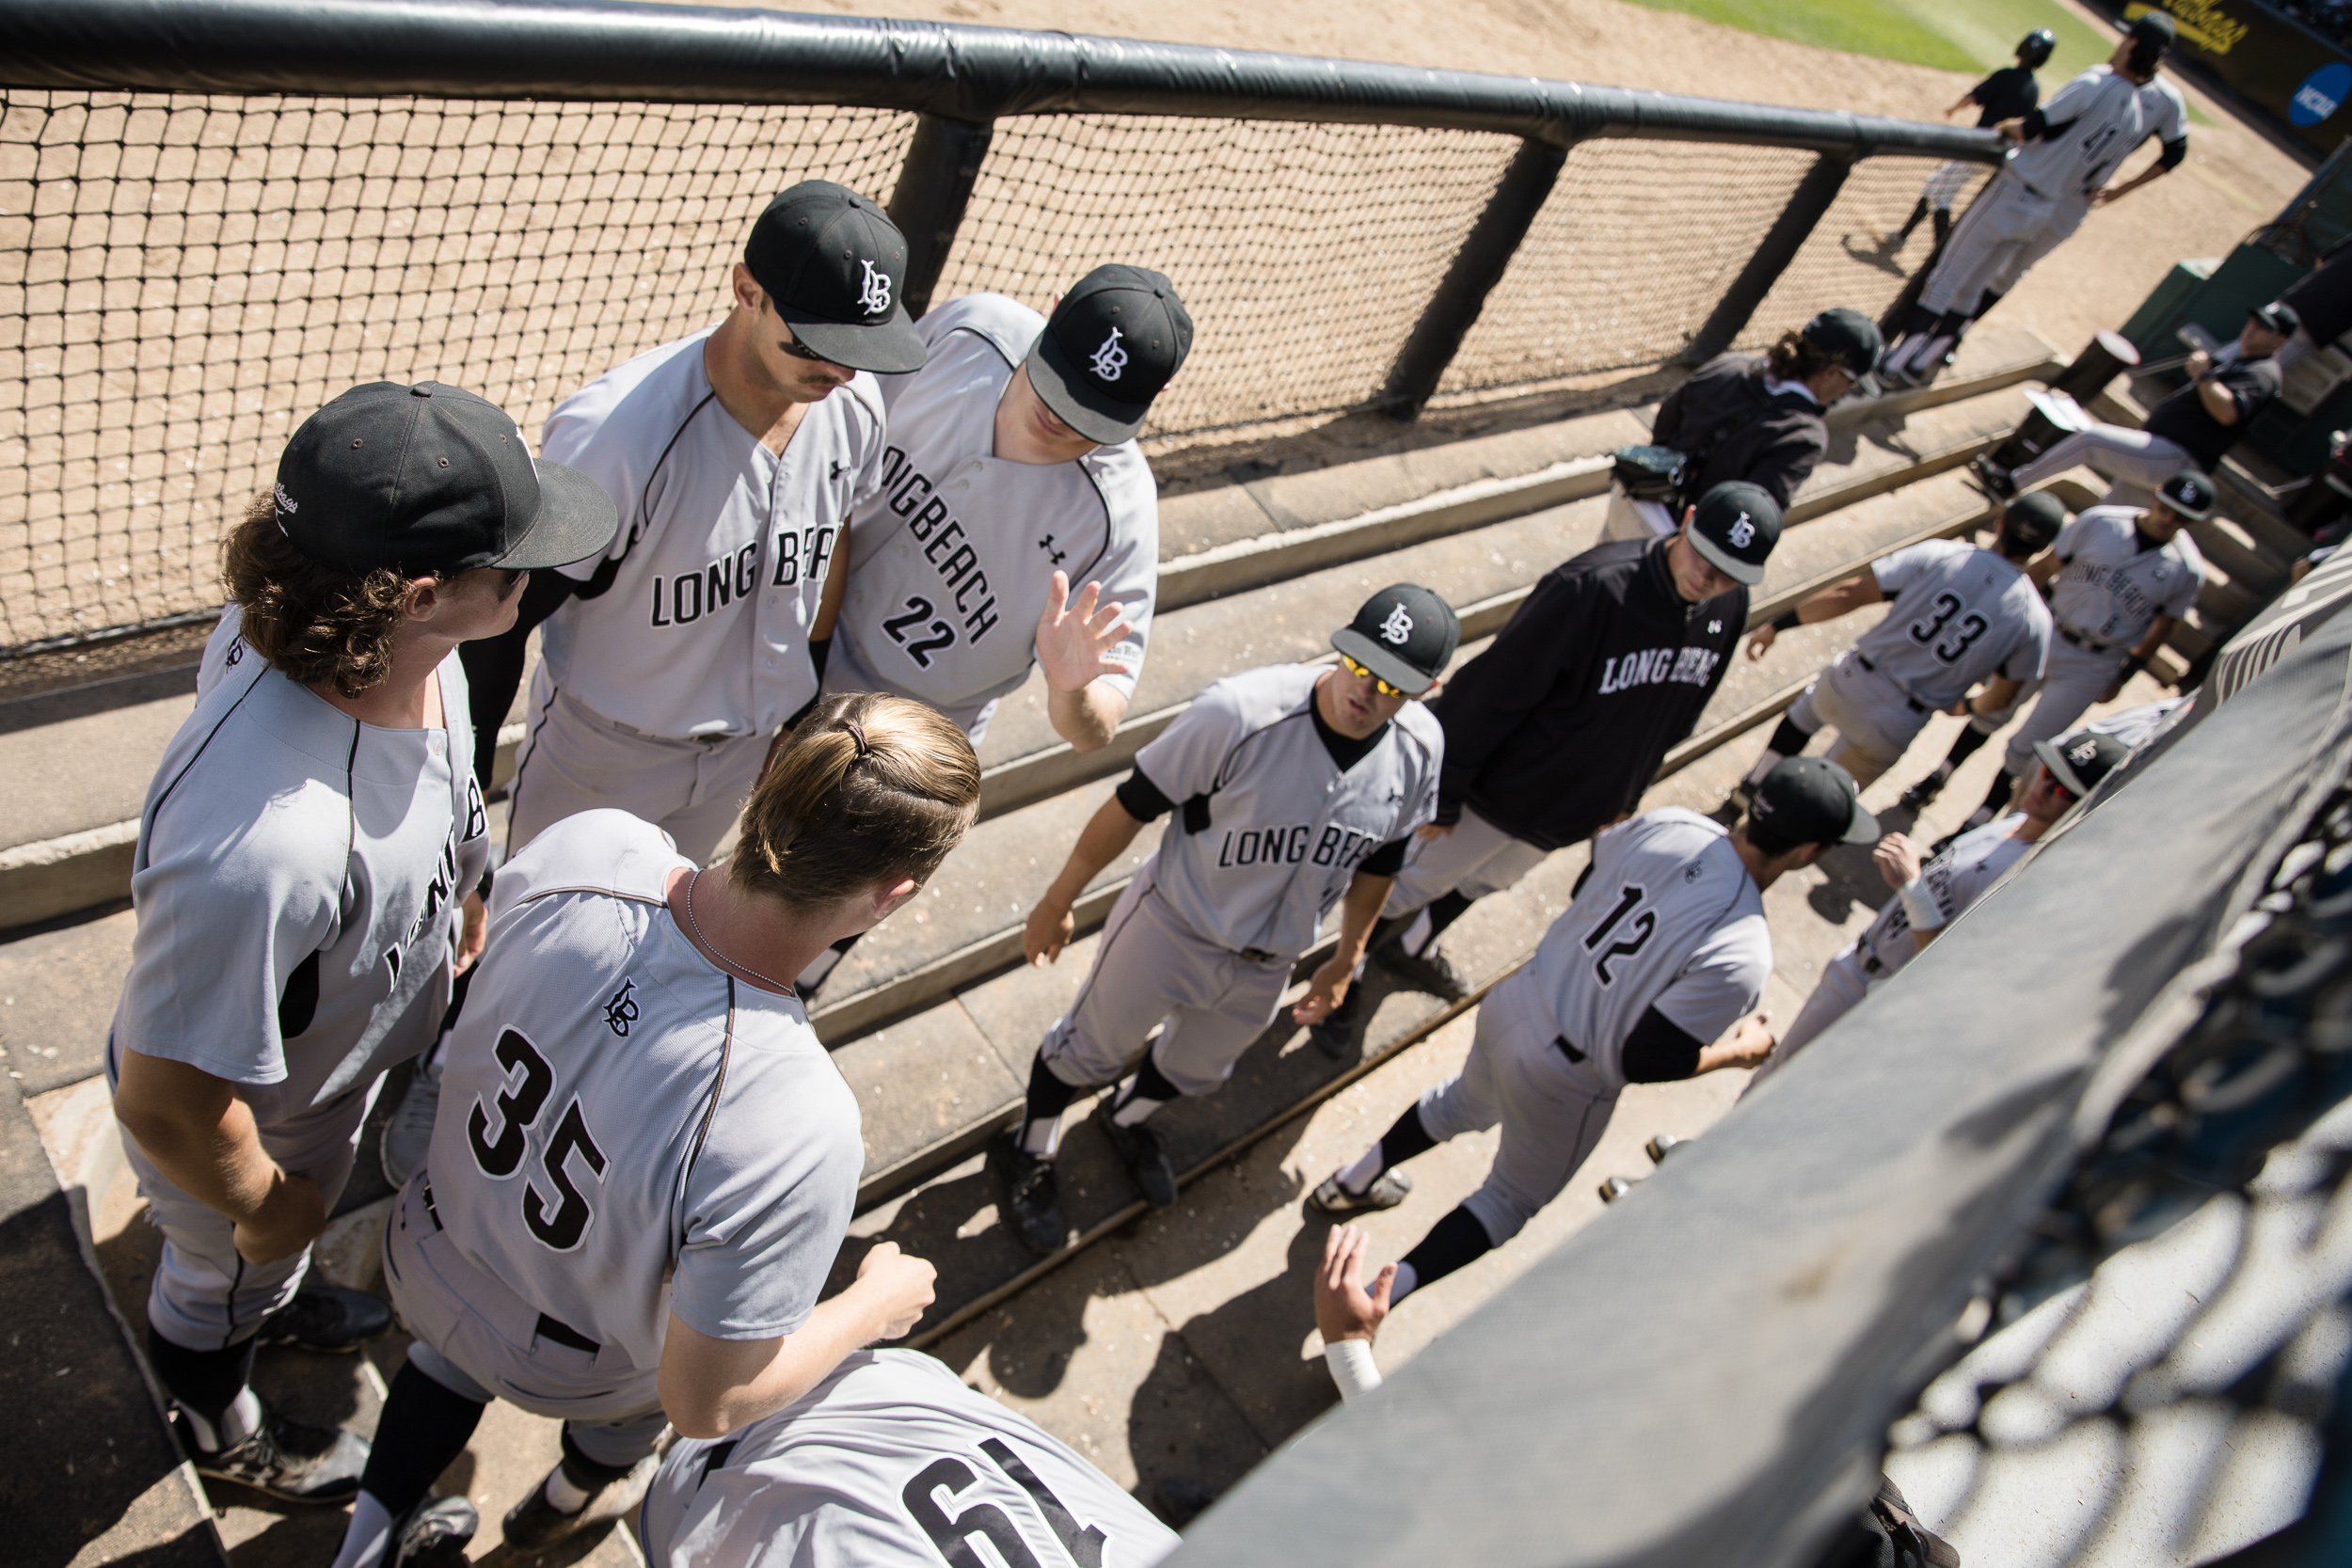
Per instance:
x=562, y=1222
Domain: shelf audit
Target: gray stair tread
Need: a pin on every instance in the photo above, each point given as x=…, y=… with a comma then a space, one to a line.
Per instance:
x=57, y=991
x=85, y=771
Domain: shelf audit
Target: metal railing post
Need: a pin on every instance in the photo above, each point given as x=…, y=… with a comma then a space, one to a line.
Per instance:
x=1807, y=204
x=934, y=187
x=1477, y=267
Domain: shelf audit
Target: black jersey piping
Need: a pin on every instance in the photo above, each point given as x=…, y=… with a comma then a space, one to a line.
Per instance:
x=717, y=1084
x=609, y=568
x=260, y=671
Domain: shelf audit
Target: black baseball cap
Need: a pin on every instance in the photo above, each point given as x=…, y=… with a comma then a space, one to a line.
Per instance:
x=1405, y=634
x=1813, y=801
x=1849, y=337
x=2153, y=32
x=1117, y=338
x=1736, y=525
x=2032, y=521
x=2080, y=760
x=2277, y=316
x=835, y=266
x=2188, y=493
x=431, y=478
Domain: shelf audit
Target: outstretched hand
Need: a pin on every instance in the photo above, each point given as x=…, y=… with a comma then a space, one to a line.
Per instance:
x=1899, y=859
x=1326, y=991
x=1075, y=637
x=1343, y=1308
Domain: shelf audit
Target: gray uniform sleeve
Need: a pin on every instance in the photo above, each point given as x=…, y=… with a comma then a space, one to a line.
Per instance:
x=1183, y=760
x=1721, y=982
x=2031, y=657
x=2176, y=604
x=1129, y=569
x=569, y=437
x=1898, y=572
x=769, y=1199
x=226, y=919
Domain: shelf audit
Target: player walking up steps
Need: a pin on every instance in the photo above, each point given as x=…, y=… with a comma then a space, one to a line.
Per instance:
x=2010, y=93
x=1011, y=476
x=2119, y=580
x=645, y=1161
x=891, y=1460
x=1662, y=950
x=1957, y=616
x=735, y=456
x=302, y=859
x=2069, y=149
x=1293, y=787
x=1556, y=729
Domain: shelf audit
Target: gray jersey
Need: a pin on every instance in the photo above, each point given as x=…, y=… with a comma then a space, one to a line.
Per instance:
x=1955, y=880
x=298, y=878
x=1267, y=831
x=1670, y=919
x=1959, y=615
x=694, y=622
x=2097, y=119
x=2137, y=726
x=2110, y=590
x=891, y=1460
x=951, y=562
x=626, y=1130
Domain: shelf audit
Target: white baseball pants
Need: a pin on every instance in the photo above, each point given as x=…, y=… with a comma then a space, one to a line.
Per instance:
x=1475, y=859
x=1554, y=1111
x=573, y=759
x=2005, y=231
x=2134, y=462
x=2074, y=681
x=1874, y=719
x=1153, y=969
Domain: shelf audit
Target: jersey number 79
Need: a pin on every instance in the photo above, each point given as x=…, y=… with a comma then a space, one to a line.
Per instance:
x=559, y=1223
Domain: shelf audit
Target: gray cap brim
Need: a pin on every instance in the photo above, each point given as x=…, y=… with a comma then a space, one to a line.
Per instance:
x=576, y=519
x=2061, y=770
x=1864, y=828
x=890, y=346
x=1724, y=560
x=1381, y=661
x=1077, y=403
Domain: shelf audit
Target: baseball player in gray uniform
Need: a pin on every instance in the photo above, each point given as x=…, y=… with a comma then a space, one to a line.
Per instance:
x=2119, y=579
x=645, y=1161
x=1294, y=788
x=1931, y=891
x=1662, y=950
x=671, y=661
x=892, y=1460
x=2068, y=150
x=302, y=859
x=1011, y=473
x=1957, y=615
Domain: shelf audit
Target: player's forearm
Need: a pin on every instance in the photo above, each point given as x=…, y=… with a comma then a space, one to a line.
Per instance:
x=1995, y=696
x=196, y=1131
x=1842, y=599
x=1105, y=839
x=710, y=1387
x=836, y=589
x=2158, y=630
x=1359, y=911
x=1088, y=717
x=2217, y=402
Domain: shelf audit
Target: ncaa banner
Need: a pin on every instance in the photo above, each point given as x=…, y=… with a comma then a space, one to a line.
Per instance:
x=2300, y=78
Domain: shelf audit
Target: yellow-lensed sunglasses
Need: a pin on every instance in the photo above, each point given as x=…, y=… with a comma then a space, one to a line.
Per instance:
x=1362, y=671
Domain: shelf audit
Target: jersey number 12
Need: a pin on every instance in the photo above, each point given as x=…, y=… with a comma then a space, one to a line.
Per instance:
x=1637, y=931
x=561, y=1224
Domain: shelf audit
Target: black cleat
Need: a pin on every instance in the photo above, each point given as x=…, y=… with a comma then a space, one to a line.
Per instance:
x=1336, y=1202
x=1615, y=1188
x=322, y=1317
x=291, y=1461
x=535, y=1523
x=1031, y=1206
x=1917, y=797
x=1431, y=973
x=1335, y=1040
x=435, y=1534
x=1139, y=1149
x=1995, y=478
x=1661, y=1145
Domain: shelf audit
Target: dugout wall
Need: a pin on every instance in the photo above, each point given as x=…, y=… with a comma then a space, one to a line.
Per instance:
x=214, y=214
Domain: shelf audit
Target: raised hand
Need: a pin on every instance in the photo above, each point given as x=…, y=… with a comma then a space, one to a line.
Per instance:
x=1074, y=636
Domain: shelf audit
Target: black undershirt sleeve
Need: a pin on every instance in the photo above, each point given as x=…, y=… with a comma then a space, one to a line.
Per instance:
x=2174, y=152
x=1141, y=799
x=494, y=667
x=1387, y=860
x=1659, y=1051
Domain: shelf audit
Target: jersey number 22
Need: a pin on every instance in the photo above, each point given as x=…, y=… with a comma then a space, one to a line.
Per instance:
x=561, y=1224
x=941, y=634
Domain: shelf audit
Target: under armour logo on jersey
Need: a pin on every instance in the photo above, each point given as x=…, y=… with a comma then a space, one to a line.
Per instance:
x=874, y=298
x=1397, y=628
x=838, y=470
x=621, y=1011
x=1714, y=628
x=1110, y=358
x=1046, y=545
x=1742, y=533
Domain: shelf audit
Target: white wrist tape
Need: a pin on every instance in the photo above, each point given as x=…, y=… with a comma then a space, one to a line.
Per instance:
x=1919, y=905
x=1352, y=1366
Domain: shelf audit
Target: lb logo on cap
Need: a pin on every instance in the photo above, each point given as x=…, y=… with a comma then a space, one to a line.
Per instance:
x=1742, y=533
x=1398, y=627
x=874, y=294
x=2087, y=751
x=1110, y=358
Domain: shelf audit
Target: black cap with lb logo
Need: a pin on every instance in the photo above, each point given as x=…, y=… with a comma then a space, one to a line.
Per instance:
x=2188, y=493
x=2080, y=760
x=834, y=265
x=1117, y=338
x=431, y=478
x=1812, y=800
x=1405, y=634
x=1734, y=527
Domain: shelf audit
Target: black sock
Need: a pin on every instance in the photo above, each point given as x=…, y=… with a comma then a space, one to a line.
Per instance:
x=1405, y=1139
x=423, y=1429
x=1453, y=1241
x=2003, y=788
x=1049, y=1097
x=585, y=1472
x=1790, y=739
x=1151, y=1085
x=1388, y=928
x=206, y=1383
x=1971, y=740
x=1444, y=912
x=1943, y=224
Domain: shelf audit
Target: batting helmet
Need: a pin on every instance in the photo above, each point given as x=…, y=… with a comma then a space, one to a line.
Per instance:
x=2033, y=51
x=2030, y=522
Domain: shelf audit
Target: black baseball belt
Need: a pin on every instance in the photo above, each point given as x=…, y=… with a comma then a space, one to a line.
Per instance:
x=2085, y=644
x=1915, y=704
x=1570, y=1052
